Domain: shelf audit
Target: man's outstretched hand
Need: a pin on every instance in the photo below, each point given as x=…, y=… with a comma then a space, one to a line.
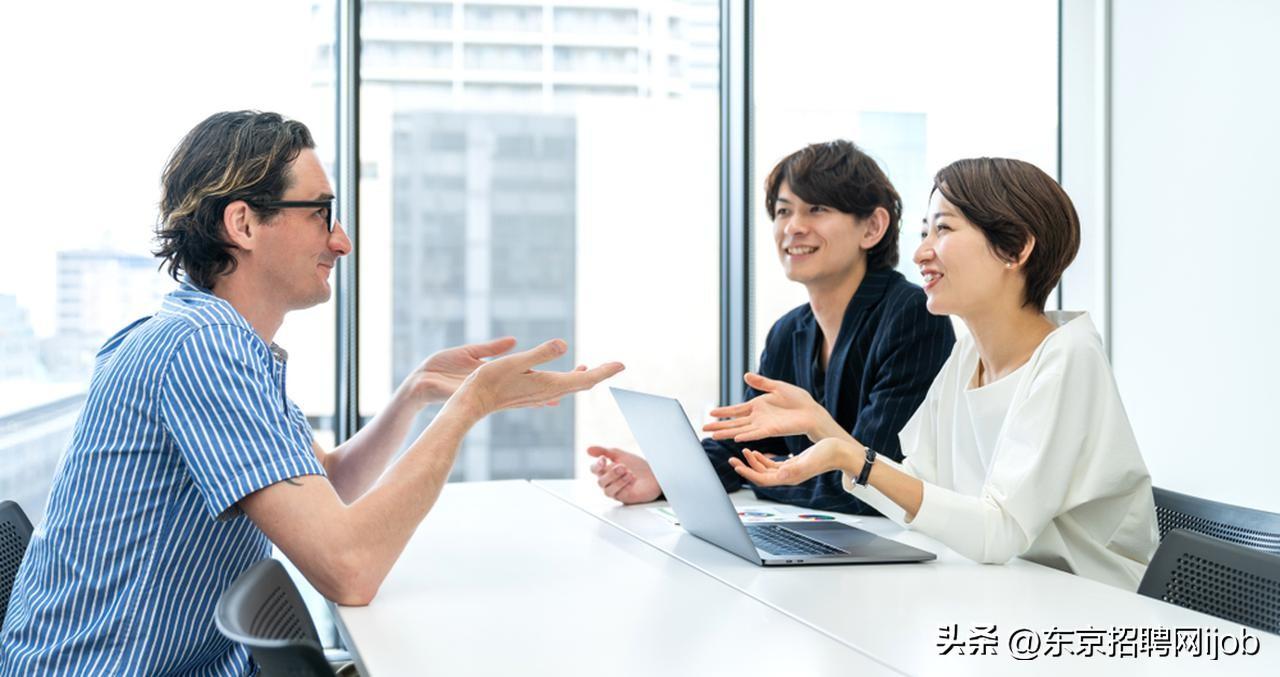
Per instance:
x=439, y=376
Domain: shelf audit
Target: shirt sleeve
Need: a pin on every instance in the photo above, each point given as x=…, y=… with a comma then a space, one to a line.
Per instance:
x=720, y=451
x=229, y=418
x=1034, y=467
x=919, y=443
x=916, y=343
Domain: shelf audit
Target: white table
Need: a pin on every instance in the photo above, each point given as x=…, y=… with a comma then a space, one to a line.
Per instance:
x=502, y=578
x=894, y=612
x=554, y=578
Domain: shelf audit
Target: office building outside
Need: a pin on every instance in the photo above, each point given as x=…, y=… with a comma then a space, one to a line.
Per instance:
x=537, y=55
x=36, y=420
x=469, y=139
x=99, y=292
x=483, y=233
x=19, y=349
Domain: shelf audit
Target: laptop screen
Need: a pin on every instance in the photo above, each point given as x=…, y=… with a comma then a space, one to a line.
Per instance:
x=684, y=472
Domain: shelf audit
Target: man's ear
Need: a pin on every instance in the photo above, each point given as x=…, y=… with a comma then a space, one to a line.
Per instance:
x=877, y=226
x=239, y=225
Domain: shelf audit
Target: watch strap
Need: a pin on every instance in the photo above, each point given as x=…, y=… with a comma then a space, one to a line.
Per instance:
x=866, y=468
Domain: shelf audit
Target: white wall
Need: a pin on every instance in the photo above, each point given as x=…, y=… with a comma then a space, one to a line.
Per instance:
x=1194, y=313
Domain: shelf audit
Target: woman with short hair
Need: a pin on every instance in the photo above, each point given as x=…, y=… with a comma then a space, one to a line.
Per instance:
x=1022, y=446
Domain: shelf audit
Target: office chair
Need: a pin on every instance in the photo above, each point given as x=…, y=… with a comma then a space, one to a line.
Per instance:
x=263, y=611
x=1222, y=579
x=1244, y=526
x=15, y=533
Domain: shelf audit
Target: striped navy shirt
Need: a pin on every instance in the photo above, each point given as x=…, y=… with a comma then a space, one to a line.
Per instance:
x=186, y=415
x=889, y=349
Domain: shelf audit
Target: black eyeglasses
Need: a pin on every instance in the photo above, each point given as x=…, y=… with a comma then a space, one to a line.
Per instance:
x=324, y=206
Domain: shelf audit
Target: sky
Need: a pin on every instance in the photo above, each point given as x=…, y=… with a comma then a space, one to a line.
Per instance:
x=102, y=92
x=99, y=93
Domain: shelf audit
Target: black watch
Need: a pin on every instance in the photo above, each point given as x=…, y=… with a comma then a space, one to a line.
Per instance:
x=866, y=468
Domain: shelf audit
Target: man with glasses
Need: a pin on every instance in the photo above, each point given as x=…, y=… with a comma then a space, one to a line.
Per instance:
x=190, y=461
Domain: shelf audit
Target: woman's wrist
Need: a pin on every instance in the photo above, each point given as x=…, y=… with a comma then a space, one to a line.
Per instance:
x=853, y=456
x=823, y=426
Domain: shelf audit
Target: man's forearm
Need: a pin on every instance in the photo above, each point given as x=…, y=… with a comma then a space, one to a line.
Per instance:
x=346, y=549
x=380, y=523
x=355, y=465
x=425, y=466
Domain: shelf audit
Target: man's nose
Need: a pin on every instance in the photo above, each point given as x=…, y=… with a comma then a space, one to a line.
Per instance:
x=795, y=224
x=338, y=240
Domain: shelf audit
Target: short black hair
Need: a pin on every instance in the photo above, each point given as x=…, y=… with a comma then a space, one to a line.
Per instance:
x=839, y=175
x=229, y=156
x=1013, y=202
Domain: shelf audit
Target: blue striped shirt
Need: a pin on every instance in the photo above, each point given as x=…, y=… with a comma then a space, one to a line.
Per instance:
x=186, y=415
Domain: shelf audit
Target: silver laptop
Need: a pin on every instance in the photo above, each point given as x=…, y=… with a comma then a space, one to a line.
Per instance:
x=691, y=486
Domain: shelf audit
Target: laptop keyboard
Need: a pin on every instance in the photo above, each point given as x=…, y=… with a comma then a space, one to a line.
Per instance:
x=777, y=540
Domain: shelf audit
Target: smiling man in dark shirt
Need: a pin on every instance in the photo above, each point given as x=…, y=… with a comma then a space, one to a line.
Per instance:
x=858, y=357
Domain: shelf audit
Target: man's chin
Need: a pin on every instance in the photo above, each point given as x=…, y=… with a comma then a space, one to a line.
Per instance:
x=795, y=276
x=320, y=296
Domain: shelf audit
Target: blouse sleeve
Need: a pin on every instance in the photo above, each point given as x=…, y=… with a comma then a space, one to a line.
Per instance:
x=919, y=444
x=1034, y=466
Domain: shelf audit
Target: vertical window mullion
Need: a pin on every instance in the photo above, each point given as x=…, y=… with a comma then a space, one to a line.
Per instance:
x=735, y=196
x=347, y=178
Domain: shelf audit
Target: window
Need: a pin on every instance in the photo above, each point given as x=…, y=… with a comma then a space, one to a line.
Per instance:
x=503, y=18
x=397, y=57
x=597, y=59
x=395, y=18
x=516, y=205
x=503, y=57
x=915, y=85
x=112, y=105
x=603, y=21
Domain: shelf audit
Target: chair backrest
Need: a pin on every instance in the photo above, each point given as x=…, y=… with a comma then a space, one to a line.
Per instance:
x=263, y=610
x=1215, y=577
x=1245, y=526
x=15, y=533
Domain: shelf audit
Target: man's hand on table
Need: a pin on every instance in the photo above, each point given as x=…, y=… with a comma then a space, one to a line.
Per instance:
x=623, y=476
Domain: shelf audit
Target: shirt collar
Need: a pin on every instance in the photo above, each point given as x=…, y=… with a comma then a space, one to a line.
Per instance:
x=189, y=286
x=871, y=289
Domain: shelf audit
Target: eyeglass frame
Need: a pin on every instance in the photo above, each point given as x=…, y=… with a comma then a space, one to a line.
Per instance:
x=282, y=204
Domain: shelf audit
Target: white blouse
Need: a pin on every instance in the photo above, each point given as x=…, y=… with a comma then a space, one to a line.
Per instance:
x=1040, y=464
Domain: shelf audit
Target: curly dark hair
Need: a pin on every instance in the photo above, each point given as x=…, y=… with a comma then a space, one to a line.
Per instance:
x=839, y=175
x=229, y=156
x=1013, y=202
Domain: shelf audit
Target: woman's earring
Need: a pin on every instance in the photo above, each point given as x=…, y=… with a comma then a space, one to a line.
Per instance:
x=1008, y=264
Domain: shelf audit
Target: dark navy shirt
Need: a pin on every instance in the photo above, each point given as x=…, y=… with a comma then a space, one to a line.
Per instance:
x=887, y=354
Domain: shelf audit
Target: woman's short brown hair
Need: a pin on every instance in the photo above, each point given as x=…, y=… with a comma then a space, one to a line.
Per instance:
x=227, y=157
x=839, y=175
x=1013, y=202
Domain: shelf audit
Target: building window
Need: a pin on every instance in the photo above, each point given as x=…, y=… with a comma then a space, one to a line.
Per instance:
x=531, y=201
